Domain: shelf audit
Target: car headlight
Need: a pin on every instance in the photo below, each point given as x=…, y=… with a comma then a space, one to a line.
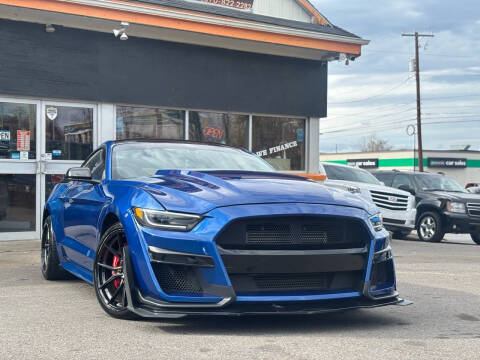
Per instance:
x=377, y=222
x=456, y=207
x=166, y=220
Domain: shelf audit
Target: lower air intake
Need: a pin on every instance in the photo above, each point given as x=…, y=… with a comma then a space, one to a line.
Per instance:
x=174, y=279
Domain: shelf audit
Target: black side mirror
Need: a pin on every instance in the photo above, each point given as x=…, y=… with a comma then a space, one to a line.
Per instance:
x=407, y=189
x=79, y=174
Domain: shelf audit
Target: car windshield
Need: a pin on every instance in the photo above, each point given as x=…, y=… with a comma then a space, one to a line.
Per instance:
x=434, y=182
x=345, y=173
x=132, y=160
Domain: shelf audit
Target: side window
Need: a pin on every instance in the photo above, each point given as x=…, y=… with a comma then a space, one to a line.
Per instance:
x=96, y=164
x=402, y=179
x=386, y=178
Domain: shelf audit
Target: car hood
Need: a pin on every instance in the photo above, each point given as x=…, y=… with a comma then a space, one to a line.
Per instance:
x=367, y=186
x=464, y=197
x=200, y=192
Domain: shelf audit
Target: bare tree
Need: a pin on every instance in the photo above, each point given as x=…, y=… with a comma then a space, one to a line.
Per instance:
x=373, y=144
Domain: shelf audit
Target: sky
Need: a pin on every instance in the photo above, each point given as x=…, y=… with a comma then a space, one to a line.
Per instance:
x=376, y=93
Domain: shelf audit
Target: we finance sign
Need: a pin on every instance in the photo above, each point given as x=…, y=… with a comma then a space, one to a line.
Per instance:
x=236, y=4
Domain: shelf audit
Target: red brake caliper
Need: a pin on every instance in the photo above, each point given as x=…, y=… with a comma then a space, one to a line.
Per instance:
x=116, y=263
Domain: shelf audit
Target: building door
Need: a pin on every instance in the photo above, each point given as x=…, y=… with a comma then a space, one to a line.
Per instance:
x=20, y=182
x=68, y=137
x=39, y=142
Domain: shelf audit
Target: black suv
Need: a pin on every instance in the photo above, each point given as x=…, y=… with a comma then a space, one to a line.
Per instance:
x=443, y=206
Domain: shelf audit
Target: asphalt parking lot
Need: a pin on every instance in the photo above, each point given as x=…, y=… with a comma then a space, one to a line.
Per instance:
x=50, y=320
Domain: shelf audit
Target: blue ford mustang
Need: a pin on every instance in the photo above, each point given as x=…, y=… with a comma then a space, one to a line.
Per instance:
x=167, y=229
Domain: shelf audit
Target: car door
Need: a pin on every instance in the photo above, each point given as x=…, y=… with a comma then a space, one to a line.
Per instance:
x=83, y=202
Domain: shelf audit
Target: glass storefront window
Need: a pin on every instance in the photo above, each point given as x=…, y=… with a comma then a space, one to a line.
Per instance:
x=50, y=182
x=69, y=132
x=149, y=123
x=229, y=129
x=17, y=203
x=280, y=141
x=17, y=131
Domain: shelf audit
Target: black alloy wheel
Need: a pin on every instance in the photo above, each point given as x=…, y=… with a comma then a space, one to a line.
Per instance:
x=430, y=227
x=51, y=269
x=109, y=278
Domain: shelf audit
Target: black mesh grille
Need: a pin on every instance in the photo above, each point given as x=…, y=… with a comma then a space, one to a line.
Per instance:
x=275, y=233
x=382, y=273
x=291, y=282
x=177, y=279
x=265, y=283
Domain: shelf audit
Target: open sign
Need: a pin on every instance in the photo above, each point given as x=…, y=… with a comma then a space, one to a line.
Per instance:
x=213, y=132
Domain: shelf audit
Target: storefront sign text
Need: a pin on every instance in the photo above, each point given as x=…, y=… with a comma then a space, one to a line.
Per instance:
x=363, y=163
x=237, y=4
x=4, y=135
x=447, y=163
x=213, y=132
x=277, y=149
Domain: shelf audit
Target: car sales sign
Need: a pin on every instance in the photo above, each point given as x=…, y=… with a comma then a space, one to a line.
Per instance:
x=447, y=163
x=236, y=4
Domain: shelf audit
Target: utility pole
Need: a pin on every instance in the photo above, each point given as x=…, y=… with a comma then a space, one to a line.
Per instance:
x=419, y=105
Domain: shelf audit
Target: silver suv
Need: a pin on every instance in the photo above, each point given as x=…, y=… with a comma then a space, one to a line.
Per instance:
x=397, y=206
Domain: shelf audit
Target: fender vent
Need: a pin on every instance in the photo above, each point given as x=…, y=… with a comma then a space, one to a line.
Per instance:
x=175, y=279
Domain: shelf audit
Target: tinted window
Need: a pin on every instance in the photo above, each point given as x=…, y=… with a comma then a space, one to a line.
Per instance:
x=402, y=179
x=280, y=141
x=17, y=127
x=430, y=182
x=149, y=123
x=386, y=178
x=133, y=160
x=345, y=173
x=228, y=129
x=68, y=132
x=96, y=164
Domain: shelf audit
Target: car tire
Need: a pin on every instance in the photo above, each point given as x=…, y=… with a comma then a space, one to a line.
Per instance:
x=475, y=238
x=430, y=227
x=401, y=234
x=108, y=277
x=51, y=269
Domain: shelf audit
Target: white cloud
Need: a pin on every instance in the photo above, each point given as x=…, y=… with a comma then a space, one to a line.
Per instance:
x=450, y=74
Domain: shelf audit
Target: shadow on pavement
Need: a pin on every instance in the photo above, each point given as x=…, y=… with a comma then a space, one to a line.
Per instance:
x=284, y=324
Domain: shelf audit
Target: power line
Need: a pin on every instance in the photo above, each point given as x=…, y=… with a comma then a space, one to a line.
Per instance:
x=373, y=96
x=391, y=126
x=450, y=97
x=424, y=53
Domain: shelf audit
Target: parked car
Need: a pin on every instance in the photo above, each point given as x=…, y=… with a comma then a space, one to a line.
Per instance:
x=397, y=206
x=168, y=229
x=472, y=185
x=443, y=206
x=474, y=189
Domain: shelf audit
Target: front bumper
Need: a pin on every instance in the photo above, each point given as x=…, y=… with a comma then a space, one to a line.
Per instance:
x=462, y=223
x=216, y=292
x=402, y=221
x=147, y=307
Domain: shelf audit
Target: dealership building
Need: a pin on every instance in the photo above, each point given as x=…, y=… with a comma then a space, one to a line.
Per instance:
x=462, y=165
x=75, y=73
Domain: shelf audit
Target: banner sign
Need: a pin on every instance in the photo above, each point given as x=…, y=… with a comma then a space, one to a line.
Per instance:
x=236, y=4
x=363, y=163
x=447, y=163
